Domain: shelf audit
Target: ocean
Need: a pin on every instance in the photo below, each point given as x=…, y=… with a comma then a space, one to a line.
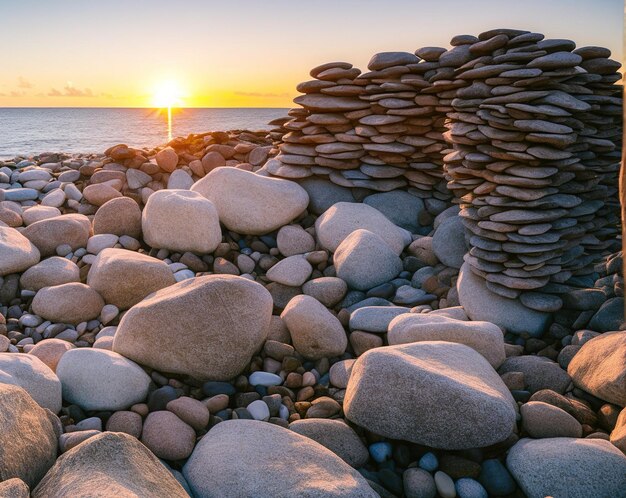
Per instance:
x=29, y=130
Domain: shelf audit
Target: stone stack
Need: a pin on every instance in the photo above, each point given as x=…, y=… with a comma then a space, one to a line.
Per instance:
x=532, y=164
x=382, y=130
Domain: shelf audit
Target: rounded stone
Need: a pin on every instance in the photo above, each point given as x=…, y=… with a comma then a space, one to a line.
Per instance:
x=68, y=303
x=167, y=159
x=119, y=216
x=49, y=272
x=49, y=233
x=17, y=253
x=449, y=242
x=50, y=351
x=541, y=420
x=167, y=436
x=191, y=411
x=293, y=239
x=125, y=421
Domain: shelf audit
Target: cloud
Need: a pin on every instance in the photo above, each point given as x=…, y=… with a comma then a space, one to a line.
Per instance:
x=23, y=83
x=265, y=95
x=69, y=90
x=17, y=94
x=3, y=94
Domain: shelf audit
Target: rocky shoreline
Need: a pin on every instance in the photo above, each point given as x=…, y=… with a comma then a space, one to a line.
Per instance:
x=186, y=321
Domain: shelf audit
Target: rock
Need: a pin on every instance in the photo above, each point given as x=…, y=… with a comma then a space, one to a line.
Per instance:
x=343, y=218
x=109, y=464
x=14, y=488
x=235, y=444
x=252, y=204
x=445, y=485
x=315, y=332
x=335, y=435
x=69, y=440
x=422, y=249
x=496, y=478
x=484, y=305
x=174, y=330
x=618, y=434
x=293, y=239
x=98, y=243
x=167, y=159
x=609, y=317
x=402, y=208
x=49, y=272
x=48, y=234
x=38, y=213
x=100, y=193
x=97, y=379
x=484, y=337
x=418, y=483
x=259, y=410
x=323, y=194
x=167, y=436
x=483, y=412
x=181, y=220
x=539, y=373
x=599, y=367
x=449, y=242
x=375, y=318
x=68, y=303
x=125, y=421
x=123, y=278
x=135, y=179
x=541, y=420
x=28, y=437
x=327, y=290
x=34, y=376
x=179, y=179
x=191, y=411
x=17, y=253
x=594, y=467
x=50, y=351
x=119, y=216
x=364, y=260
x=292, y=271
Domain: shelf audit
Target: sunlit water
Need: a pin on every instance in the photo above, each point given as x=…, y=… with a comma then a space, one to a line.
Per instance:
x=27, y=131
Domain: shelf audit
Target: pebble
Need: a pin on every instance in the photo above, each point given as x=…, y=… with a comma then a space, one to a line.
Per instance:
x=445, y=485
x=259, y=410
x=380, y=451
x=264, y=379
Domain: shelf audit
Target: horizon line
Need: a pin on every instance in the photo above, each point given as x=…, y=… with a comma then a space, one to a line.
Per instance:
x=137, y=107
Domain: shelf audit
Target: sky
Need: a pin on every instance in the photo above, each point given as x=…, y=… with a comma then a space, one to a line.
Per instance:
x=204, y=53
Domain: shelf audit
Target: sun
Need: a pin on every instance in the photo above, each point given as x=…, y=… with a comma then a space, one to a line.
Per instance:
x=167, y=94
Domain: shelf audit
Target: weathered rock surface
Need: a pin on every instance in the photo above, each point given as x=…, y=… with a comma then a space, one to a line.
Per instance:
x=68, y=303
x=49, y=272
x=48, y=234
x=17, y=253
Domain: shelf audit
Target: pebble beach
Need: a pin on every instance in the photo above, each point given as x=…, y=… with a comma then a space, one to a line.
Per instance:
x=410, y=286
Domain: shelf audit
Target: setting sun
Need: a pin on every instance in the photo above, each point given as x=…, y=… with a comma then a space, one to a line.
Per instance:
x=167, y=94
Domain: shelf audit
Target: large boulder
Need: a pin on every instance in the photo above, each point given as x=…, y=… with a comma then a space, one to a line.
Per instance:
x=97, y=379
x=482, y=304
x=17, y=253
x=119, y=216
x=364, y=260
x=568, y=467
x=484, y=337
x=252, y=204
x=599, y=367
x=449, y=242
x=68, y=303
x=181, y=220
x=48, y=234
x=34, y=376
x=343, y=218
x=28, y=439
x=124, y=278
x=109, y=464
x=207, y=327
x=315, y=332
x=439, y=394
x=255, y=459
x=399, y=206
x=49, y=272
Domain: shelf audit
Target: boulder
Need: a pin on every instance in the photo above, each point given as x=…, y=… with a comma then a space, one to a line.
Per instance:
x=401, y=207
x=207, y=327
x=49, y=272
x=48, y=234
x=181, y=220
x=50, y=351
x=252, y=204
x=28, y=437
x=38, y=213
x=17, y=253
x=109, y=464
x=449, y=242
x=343, y=218
x=541, y=420
x=364, y=260
x=438, y=394
x=97, y=379
x=576, y=468
x=34, y=376
x=68, y=303
x=123, y=278
x=119, y=216
x=599, y=367
x=14, y=488
x=539, y=372
x=268, y=461
x=484, y=305
x=335, y=435
x=324, y=193
x=315, y=332
x=484, y=337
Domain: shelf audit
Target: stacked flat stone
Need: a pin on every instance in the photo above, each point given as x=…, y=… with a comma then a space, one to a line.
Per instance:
x=535, y=152
x=381, y=130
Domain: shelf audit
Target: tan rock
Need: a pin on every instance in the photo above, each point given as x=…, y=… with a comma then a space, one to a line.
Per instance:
x=68, y=303
x=48, y=234
x=49, y=272
x=125, y=421
x=541, y=420
x=119, y=216
x=167, y=159
x=50, y=351
x=167, y=436
x=100, y=193
x=17, y=253
x=38, y=213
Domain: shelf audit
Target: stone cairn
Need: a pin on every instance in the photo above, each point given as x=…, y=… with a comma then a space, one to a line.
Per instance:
x=525, y=130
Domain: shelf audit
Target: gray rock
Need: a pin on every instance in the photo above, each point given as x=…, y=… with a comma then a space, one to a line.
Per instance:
x=542, y=420
x=593, y=467
x=399, y=206
x=539, y=372
x=375, y=318
x=610, y=316
x=449, y=242
x=323, y=194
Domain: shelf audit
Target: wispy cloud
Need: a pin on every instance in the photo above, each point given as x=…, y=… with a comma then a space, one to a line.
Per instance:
x=259, y=94
x=23, y=83
x=17, y=94
x=69, y=90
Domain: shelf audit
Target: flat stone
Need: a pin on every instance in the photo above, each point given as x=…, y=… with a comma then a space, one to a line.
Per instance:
x=556, y=60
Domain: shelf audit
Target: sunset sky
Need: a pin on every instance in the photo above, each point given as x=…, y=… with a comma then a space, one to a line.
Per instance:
x=71, y=53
